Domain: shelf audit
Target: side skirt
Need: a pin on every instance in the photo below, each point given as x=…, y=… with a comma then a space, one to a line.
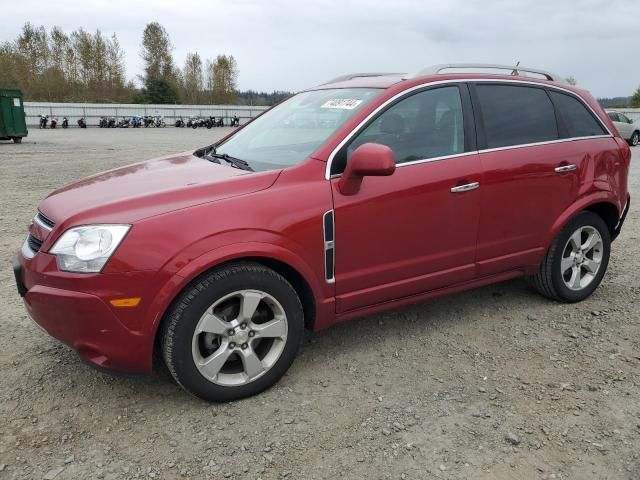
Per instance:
x=460, y=287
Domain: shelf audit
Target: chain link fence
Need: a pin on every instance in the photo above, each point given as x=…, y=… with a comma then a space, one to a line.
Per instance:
x=93, y=111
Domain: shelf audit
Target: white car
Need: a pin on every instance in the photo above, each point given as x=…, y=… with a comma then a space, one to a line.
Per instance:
x=628, y=129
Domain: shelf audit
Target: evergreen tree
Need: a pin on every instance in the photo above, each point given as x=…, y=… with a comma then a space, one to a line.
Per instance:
x=635, y=99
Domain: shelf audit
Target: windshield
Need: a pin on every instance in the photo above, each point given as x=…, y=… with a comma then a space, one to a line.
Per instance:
x=290, y=132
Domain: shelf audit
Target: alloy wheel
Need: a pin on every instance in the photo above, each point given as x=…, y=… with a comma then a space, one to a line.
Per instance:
x=239, y=338
x=581, y=258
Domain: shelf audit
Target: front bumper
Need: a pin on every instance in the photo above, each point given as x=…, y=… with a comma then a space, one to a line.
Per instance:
x=106, y=336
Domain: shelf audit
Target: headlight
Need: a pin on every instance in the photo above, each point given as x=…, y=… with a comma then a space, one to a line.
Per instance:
x=86, y=249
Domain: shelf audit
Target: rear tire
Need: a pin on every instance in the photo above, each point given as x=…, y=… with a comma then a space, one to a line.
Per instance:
x=576, y=261
x=233, y=332
x=17, y=139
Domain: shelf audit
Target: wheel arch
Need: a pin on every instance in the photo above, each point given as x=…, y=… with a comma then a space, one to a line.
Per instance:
x=282, y=262
x=603, y=203
x=608, y=212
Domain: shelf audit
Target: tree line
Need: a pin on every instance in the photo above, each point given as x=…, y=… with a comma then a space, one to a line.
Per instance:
x=56, y=66
x=81, y=66
x=614, y=102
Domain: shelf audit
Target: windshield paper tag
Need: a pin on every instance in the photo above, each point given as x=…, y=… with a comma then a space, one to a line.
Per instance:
x=343, y=103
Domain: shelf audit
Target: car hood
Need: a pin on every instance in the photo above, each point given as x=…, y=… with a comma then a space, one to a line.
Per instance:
x=145, y=189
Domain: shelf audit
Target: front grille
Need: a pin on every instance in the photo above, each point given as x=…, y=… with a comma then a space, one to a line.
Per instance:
x=34, y=243
x=45, y=220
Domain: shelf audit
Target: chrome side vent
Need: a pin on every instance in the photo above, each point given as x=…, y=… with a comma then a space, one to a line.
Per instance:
x=329, y=246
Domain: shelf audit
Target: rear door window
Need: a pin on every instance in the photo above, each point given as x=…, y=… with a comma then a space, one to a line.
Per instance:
x=516, y=115
x=576, y=118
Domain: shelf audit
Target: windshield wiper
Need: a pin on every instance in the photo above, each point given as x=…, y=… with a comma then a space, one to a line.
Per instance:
x=211, y=155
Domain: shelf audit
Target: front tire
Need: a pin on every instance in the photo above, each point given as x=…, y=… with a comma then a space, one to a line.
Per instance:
x=576, y=261
x=233, y=332
x=635, y=139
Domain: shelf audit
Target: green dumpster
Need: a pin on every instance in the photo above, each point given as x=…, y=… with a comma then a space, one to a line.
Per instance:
x=13, y=125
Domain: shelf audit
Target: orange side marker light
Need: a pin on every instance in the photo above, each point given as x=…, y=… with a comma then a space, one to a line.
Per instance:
x=125, y=302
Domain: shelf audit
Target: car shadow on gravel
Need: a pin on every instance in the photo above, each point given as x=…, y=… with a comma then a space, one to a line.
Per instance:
x=444, y=312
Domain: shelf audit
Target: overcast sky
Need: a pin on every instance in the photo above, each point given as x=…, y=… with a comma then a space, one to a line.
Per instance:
x=291, y=45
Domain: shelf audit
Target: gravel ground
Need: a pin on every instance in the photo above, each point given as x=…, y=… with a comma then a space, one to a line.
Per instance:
x=493, y=383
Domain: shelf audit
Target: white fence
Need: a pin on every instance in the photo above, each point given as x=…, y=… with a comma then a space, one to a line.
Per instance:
x=93, y=111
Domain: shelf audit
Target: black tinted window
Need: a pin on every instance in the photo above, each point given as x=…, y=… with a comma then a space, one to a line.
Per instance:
x=577, y=120
x=425, y=125
x=516, y=115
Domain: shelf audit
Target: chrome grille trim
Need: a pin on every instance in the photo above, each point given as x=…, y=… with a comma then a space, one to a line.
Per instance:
x=44, y=222
x=34, y=243
x=26, y=250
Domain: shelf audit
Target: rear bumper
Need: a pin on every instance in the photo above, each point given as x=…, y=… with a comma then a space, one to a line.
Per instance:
x=103, y=335
x=618, y=227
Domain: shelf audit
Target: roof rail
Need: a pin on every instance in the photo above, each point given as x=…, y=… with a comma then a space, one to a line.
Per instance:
x=351, y=76
x=515, y=70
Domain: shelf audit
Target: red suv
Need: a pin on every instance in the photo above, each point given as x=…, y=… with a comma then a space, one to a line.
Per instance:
x=360, y=195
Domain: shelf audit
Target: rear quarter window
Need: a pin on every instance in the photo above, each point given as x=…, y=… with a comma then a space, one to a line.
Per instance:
x=516, y=115
x=577, y=120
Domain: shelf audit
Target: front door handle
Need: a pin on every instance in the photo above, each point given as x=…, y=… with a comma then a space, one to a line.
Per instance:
x=465, y=188
x=565, y=168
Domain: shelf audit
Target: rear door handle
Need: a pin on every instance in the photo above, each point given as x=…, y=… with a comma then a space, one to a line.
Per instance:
x=465, y=188
x=565, y=168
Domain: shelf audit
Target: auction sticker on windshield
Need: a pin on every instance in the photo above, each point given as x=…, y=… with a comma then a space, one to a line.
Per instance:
x=343, y=103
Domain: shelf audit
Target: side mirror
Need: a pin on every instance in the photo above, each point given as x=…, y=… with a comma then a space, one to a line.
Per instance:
x=368, y=160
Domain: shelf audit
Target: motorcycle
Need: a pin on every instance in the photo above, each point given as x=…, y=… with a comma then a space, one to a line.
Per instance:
x=160, y=123
x=190, y=122
x=148, y=122
x=43, y=121
x=210, y=122
x=82, y=123
x=179, y=123
x=235, y=121
x=112, y=122
x=53, y=123
x=137, y=121
x=65, y=122
x=124, y=123
x=219, y=122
